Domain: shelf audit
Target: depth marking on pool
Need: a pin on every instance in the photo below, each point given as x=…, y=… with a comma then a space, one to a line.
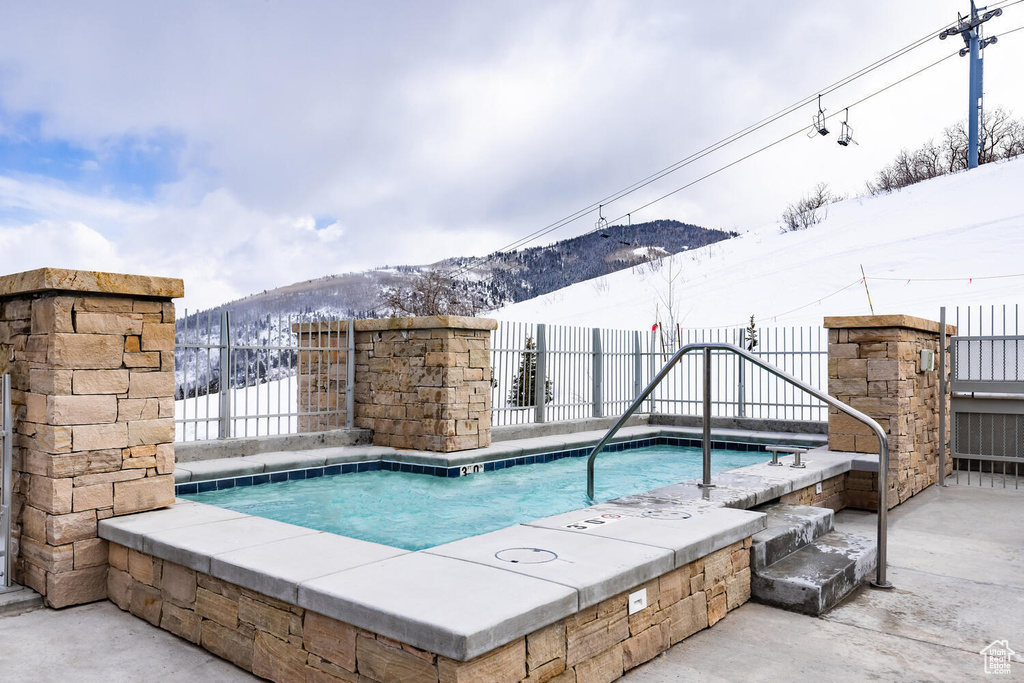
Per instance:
x=591, y=522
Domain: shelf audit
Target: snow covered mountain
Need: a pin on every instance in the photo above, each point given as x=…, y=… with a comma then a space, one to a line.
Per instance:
x=956, y=240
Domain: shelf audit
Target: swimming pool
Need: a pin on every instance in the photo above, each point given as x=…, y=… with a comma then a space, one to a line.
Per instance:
x=413, y=512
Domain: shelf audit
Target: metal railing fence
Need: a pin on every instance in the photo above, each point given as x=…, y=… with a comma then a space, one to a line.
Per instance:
x=540, y=373
x=545, y=373
x=241, y=378
x=6, y=484
x=986, y=385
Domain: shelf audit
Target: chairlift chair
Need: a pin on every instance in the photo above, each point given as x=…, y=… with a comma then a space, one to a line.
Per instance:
x=818, y=122
x=602, y=222
x=845, y=132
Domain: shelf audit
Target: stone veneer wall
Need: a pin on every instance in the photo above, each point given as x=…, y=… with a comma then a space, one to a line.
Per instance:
x=854, y=489
x=91, y=359
x=833, y=494
x=420, y=383
x=287, y=644
x=873, y=367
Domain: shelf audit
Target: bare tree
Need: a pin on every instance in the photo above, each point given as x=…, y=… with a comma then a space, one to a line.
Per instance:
x=670, y=299
x=432, y=292
x=809, y=210
x=1002, y=137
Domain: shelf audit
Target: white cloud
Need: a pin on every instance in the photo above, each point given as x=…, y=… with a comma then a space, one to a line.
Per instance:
x=435, y=129
x=60, y=244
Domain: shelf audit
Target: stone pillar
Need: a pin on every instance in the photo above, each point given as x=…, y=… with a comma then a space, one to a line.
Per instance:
x=874, y=366
x=91, y=358
x=421, y=383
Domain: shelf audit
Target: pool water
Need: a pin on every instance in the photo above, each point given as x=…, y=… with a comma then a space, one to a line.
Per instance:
x=415, y=511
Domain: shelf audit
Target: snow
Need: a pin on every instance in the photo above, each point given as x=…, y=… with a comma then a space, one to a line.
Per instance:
x=932, y=244
x=269, y=398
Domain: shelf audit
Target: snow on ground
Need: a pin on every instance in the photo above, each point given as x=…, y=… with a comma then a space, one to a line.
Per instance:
x=251, y=407
x=956, y=230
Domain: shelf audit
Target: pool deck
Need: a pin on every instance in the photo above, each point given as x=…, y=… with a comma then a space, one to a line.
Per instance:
x=954, y=554
x=460, y=599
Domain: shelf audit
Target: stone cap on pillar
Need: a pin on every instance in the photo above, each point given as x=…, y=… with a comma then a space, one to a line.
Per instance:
x=90, y=282
x=426, y=322
x=905, y=321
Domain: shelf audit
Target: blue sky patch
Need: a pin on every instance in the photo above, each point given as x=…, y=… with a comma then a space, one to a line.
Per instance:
x=322, y=222
x=128, y=167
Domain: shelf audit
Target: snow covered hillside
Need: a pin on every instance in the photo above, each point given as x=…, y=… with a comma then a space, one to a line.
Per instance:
x=954, y=240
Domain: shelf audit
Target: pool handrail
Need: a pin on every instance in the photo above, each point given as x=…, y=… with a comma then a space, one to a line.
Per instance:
x=707, y=347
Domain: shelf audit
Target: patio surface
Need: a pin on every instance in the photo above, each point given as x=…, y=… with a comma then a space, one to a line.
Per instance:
x=954, y=557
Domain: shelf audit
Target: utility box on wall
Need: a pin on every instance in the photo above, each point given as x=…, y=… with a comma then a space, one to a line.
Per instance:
x=927, y=363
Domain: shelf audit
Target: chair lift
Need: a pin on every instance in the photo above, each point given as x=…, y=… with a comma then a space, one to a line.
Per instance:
x=602, y=223
x=629, y=219
x=845, y=132
x=818, y=122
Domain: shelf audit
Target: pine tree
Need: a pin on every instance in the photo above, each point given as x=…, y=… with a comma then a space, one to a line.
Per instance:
x=751, y=335
x=521, y=394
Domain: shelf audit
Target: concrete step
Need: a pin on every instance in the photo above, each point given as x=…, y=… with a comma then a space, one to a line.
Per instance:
x=817, y=577
x=19, y=599
x=790, y=527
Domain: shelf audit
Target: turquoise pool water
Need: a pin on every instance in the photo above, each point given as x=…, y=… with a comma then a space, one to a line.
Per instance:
x=415, y=511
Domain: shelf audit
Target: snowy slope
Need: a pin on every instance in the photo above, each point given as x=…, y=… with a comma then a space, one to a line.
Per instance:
x=958, y=229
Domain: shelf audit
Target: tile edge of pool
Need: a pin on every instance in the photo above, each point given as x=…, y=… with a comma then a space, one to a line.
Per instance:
x=244, y=471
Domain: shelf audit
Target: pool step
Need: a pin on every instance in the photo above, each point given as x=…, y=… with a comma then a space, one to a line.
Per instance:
x=815, y=578
x=790, y=527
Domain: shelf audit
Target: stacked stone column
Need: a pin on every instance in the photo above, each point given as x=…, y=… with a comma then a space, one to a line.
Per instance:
x=421, y=383
x=91, y=358
x=874, y=367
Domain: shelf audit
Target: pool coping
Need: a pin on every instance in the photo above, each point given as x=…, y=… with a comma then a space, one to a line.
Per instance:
x=456, y=599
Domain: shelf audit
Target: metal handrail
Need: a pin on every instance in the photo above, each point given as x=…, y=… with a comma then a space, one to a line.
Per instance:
x=707, y=348
x=6, y=483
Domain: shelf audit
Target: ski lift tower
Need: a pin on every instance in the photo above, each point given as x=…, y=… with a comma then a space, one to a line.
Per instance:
x=969, y=29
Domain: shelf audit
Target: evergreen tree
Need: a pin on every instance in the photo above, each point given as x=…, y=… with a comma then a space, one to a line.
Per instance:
x=751, y=335
x=521, y=394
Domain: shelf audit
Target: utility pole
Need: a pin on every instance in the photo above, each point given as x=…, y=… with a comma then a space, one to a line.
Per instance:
x=969, y=29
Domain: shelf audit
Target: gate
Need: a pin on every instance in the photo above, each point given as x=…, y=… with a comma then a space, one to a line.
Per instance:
x=986, y=382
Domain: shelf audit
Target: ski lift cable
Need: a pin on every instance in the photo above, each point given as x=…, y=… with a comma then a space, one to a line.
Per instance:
x=707, y=150
x=793, y=134
x=773, y=144
x=750, y=129
x=714, y=147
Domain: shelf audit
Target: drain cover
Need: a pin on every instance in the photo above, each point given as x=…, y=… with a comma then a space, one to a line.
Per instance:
x=525, y=555
x=667, y=514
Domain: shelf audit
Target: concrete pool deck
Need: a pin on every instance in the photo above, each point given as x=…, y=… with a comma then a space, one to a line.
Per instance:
x=459, y=599
x=954, y=558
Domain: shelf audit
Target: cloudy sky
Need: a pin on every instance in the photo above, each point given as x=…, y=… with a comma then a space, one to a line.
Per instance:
x=243, y=145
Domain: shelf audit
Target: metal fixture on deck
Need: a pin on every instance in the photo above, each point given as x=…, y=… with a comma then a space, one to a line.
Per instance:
x=707, y=347
x=797, y=462
x=775, y=450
